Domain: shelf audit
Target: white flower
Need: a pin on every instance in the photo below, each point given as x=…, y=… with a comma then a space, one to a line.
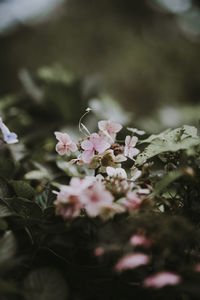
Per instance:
x=118, y=172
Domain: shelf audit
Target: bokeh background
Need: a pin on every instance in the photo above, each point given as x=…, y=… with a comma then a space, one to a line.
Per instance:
x=134, y=61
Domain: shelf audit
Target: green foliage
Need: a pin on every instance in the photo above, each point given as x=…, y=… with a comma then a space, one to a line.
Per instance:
x=22, y=189
x=171, y=140
x=45, y=284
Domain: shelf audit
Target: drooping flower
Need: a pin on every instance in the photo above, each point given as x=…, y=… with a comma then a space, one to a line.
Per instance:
x=162, y=279
x=65, y=145
x=109, y=128
x=118, y=172
x=131, y=261
x=8, y=137
x=96, y=198
x=95, y=143
x=129, y=149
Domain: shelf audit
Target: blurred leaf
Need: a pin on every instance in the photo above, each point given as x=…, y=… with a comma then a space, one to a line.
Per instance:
x=23, y=189
x=166, y=180
x=7, y=288
x=171, y=140
x=5, y=189
x=4, y=210
x=106, y=108
x=3, y=225
x=45, y=284
x=24, y=207
x=7, y=168
x=56, y=74
x=70, y=169
x=7, y=247
x=45, y=199
x=36, y=174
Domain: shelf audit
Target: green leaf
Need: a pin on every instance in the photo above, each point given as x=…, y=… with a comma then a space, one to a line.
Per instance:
x=45, y=199
x=7, y=168
x=7, y=247
x=45, y=284
x=7, y=288
x=3, y=225
x=5, y=211
x=23, y=189
x=171, y=140
x=24, y=207
x=166, y=181
x=5, y=189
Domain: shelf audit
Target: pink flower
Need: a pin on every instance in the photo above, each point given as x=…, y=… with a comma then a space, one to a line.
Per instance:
x=68, y=205
x=162, y=279
x=197, y=267
x=140, y=240
x=132, y=201
x=68, y=202
x=99, y=251
x=65, y=145
x=129, y=149
x=8, y=137
x=95, y=143
x=96, y=198
x=131, y=261
x=109, y=128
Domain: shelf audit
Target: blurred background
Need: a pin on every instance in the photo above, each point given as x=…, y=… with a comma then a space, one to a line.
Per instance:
x=133, y=61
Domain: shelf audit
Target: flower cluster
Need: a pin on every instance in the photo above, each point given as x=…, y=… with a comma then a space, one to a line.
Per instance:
x=111, y=191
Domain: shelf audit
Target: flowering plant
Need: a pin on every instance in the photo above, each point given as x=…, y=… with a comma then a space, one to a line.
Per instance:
x=114, y=210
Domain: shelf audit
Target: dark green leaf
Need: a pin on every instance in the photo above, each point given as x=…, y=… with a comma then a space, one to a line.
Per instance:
x=23, y=189
x=7, y=247
x=45, y=199
x=45, y=284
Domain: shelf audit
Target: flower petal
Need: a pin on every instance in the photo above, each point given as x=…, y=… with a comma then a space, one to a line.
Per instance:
x=87, y=145
x=87, y=155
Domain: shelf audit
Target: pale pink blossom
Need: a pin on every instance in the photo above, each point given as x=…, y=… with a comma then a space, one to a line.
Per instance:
x=116, y=172
x=162, y=279
x=65, y=145
x=8, y=137
x=131, y=261
x=138, y=239
x=96, y=198
x=109, y=128
x=129, y=149
x=132, y=201
x=95, y=143
x=68, y=205
x=68, y=202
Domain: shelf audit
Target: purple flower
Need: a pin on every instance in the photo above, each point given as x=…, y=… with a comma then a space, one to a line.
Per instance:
x=8, y=137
